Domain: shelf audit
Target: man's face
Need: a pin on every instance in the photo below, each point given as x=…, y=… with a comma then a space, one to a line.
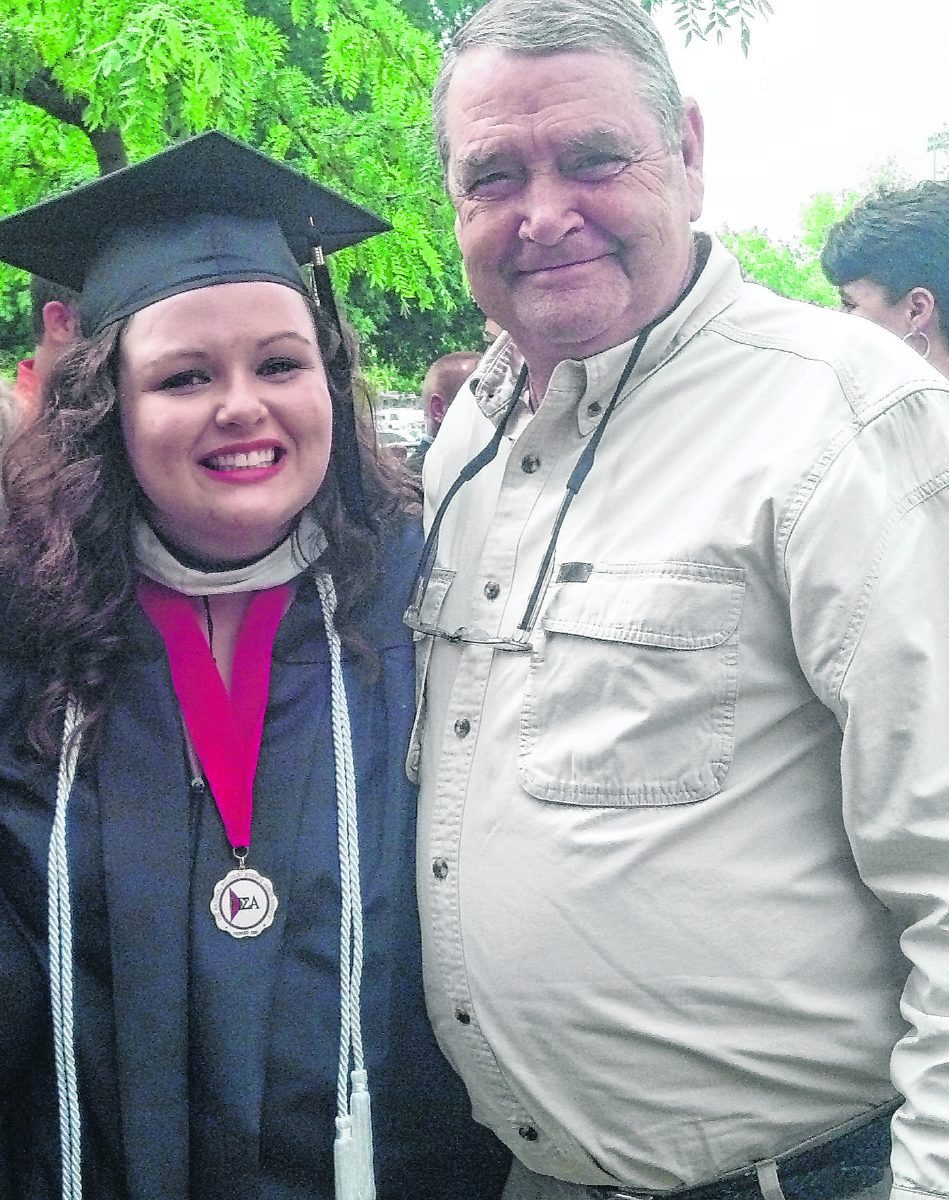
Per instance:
x=571, y=214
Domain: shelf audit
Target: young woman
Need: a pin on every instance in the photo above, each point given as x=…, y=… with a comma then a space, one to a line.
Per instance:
x=208, y=946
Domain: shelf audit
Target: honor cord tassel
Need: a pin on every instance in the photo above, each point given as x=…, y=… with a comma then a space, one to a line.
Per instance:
x=353, y=1155
x=345, y=1172
x=361, y=1112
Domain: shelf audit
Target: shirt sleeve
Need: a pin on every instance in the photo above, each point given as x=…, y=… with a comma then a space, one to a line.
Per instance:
x=867, y=568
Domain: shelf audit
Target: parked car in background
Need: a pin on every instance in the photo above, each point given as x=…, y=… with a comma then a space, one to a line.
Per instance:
x=410, y=421
x=397, y=442
x=399, y=428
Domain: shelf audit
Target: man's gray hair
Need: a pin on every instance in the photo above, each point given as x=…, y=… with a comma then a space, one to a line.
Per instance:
x=551, y=26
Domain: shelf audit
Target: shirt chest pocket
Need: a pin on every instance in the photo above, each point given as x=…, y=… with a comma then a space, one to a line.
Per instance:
x=631, y=691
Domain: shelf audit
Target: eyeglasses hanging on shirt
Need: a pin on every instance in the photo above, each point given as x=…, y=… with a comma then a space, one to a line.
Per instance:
x=520, y=641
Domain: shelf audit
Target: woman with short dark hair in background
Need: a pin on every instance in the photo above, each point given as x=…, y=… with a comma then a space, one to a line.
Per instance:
x=889, y=259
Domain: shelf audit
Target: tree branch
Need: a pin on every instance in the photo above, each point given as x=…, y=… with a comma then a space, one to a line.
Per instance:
x=392, y=50
x=107, y=144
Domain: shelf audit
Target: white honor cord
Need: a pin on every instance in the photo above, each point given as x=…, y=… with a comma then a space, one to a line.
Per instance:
x=60, y=964
x=352, y=1149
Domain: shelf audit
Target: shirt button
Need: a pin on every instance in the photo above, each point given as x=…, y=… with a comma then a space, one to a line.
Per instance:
x=462, y=1016
x=198, y=787
x=530, y=463
x=462, y=728
x=528, y=1133
x=492, y=590
x=440, y=868
x=594, y=409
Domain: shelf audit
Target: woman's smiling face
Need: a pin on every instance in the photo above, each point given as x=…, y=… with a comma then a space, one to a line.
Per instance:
x=226, y=416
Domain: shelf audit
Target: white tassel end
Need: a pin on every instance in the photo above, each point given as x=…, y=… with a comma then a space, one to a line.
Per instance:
x=344, y=1161
x=361, y=1108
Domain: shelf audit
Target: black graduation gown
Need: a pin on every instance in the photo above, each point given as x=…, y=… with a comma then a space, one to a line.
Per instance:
x=206, y=1064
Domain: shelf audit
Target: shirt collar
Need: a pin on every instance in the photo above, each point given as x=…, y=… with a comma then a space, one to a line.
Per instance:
x=27, y=380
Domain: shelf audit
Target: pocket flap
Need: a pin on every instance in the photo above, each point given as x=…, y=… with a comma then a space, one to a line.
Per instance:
x=433, y=598
x=678, y=605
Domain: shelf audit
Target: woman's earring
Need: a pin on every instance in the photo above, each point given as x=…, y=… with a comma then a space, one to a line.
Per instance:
x=914, y=332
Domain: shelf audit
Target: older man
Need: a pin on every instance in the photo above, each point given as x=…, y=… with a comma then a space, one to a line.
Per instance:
x=684, y=652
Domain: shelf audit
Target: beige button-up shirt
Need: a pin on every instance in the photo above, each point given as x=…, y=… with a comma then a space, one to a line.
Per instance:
x=667, y=857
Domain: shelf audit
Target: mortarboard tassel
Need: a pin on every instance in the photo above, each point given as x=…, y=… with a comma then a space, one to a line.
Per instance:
x=345, y=441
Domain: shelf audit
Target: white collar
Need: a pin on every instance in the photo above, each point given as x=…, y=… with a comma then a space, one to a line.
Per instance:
x=285, y=562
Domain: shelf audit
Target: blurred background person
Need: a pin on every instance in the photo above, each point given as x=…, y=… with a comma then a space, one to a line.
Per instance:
x=9, y=420
x=55, y=312
x=441, y=385
x=889, y=259
x=8, y=413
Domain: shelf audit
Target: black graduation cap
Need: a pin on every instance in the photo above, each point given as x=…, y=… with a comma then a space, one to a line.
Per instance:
x=208, y=210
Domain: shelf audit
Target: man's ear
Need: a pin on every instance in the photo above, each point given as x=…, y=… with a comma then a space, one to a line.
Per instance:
x=437, y=407
x=60, y=324
x=693, y=151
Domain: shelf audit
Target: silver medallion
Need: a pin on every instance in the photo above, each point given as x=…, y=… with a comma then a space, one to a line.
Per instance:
x=244, y=903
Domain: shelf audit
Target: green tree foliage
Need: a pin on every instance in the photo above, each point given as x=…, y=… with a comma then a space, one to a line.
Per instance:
x=702, y=19
x=438, y=16
x=340, y=90
x=403, y=341
x=699, y=19
x=792, y=268
x=337, y=88
x=785, y=267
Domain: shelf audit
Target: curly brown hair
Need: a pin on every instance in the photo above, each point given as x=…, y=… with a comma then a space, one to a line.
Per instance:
x=9, y=413
x=66, y=553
